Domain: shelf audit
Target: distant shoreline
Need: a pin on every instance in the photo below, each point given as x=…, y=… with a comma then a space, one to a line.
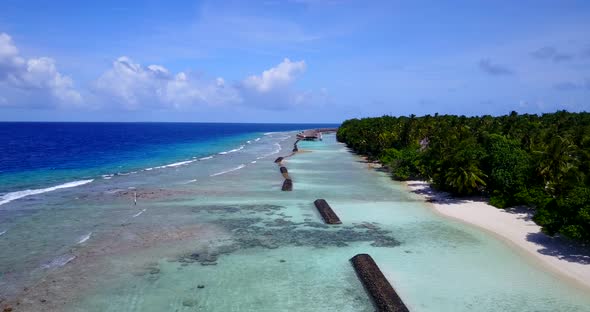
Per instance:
x=514, y=226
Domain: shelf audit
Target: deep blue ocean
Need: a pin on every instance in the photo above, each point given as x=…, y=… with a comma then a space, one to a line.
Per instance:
x=43, y=154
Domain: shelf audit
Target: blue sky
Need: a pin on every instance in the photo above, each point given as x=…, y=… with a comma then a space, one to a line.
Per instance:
x=290, y=61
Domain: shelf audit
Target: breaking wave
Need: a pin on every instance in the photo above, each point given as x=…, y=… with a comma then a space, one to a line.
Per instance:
x=139, y=213
x=180, y=163
x=84, y=238
x=229, y=170
x=276, y=151
x=8, y=197
x=59, y=261
x=233, y=150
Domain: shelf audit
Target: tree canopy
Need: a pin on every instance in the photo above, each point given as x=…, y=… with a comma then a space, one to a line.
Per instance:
x=542, y=161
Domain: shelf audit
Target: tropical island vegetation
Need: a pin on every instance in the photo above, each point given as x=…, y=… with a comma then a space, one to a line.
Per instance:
x=542, y=161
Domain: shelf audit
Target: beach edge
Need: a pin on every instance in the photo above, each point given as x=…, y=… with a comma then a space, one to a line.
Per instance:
x=510, y=227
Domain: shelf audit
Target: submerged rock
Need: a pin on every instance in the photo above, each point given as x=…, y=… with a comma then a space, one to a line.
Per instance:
x=385, y=242
x=189, y=302
x=208, y=263
x=154, y=271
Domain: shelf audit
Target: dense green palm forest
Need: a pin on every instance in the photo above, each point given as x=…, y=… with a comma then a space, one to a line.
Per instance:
x=540, y=161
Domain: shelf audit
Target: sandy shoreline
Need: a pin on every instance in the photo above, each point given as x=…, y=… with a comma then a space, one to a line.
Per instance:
x=515, y=226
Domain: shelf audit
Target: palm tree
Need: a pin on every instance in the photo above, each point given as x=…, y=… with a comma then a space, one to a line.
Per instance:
x=465, y=179
x=558, y=163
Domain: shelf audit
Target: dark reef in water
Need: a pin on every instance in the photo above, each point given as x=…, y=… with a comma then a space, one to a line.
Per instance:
x=271, y=233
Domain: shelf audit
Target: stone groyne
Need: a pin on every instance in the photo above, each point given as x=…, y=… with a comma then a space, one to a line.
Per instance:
x=326, y=212
x=284, y=172
x=287, y=185
x=288, y=182
x=384, y=296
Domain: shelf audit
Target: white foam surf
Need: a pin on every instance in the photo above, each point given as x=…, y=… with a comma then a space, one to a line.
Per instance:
x=107, y=176
x=59, y=261
x=2, y=233
x=177, y=164
x=188, y=182
x=8, y=197
x=233, y=150
x=276, y=151
x=237, y=149
x=229, y=170
x=84, y=238
x=205, y=158
x=113, y=191
x=138, y=214
x=253, y=162
x=257, y=139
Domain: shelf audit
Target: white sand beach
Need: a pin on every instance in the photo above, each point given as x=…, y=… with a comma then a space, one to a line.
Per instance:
x=515, y=226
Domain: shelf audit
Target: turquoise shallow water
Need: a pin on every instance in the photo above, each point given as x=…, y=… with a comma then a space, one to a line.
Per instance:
x=224, y=224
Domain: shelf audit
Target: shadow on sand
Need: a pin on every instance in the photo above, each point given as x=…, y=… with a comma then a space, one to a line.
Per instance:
x=557, y=246
x=433, y=196
x=522, y=212
x=560, y=248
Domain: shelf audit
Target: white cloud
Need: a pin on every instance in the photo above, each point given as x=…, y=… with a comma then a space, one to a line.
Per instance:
x=273, y=88
x=135, y=86
x=277, y=77
x=34, y=82
x=35, y=76
x=9, y=58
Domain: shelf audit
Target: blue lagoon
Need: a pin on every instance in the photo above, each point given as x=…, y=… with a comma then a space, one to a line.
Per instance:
x=204, y=226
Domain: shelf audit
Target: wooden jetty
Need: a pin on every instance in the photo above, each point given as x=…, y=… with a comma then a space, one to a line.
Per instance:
x=309, y=135
x=326, y=211
x=327, y=130
x=384, y=296
x=314, y=134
